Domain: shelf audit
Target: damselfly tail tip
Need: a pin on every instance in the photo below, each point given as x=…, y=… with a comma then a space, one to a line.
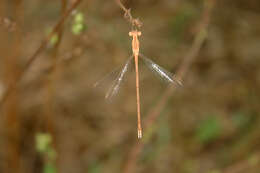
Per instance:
x=139, y=134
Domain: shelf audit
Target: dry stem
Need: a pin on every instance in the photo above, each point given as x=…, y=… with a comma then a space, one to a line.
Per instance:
x=11, y=121
x=50, y=83
x=43, y=45
x=135, y=22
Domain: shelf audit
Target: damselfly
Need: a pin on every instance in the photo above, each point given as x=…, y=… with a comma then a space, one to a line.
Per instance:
x=161, y=72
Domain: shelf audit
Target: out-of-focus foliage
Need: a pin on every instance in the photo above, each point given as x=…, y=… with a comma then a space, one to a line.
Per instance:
x=54, y=39
x=210, y=125
x=44, y=146
x=78, y=25
x=209, y=129
x=182, y=21
x=43, y=142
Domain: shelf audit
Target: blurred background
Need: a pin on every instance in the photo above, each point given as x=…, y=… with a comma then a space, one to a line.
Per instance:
x=56, y=121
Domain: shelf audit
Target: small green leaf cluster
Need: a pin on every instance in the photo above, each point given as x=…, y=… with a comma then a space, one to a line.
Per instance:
x=44, y=147
x=78, y=25
x=209, y=130
x=54, y=39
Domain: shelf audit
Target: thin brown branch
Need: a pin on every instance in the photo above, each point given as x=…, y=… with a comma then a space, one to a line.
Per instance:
x=50, y=83
x=32, y=59
x=11, y=119
x=154, y=113
x=135, y=22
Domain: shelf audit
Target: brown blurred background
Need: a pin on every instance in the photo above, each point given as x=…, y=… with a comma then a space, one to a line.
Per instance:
x=56, y=121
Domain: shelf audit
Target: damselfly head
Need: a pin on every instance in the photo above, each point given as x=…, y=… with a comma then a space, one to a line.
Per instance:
x=135, y=33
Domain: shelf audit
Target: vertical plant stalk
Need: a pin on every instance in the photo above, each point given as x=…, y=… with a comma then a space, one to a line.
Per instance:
x=32, y=59
x=11, y=109
x=3, y=53
x=130, y=164
x=50, y=83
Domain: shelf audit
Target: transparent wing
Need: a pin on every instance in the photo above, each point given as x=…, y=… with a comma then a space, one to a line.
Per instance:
x=108, y=77
x=113, y=89
x=161, y=72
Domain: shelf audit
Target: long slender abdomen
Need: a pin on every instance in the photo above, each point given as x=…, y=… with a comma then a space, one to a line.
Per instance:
x=139, y=127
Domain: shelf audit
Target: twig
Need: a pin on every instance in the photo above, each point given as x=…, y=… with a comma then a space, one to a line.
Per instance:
x=11, y=120
x=189, y=59
x=52, y=75
x=135, y=22
x=32, y=59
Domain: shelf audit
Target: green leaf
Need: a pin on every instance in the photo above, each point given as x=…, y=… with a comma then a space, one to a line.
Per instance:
x=54, y=39
x=77, y=28
x=208, y=130
x=79, y=17
x=95, y=167
x=78, y=25
x=43, y=140
x=49, y=168
x=51, y=153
